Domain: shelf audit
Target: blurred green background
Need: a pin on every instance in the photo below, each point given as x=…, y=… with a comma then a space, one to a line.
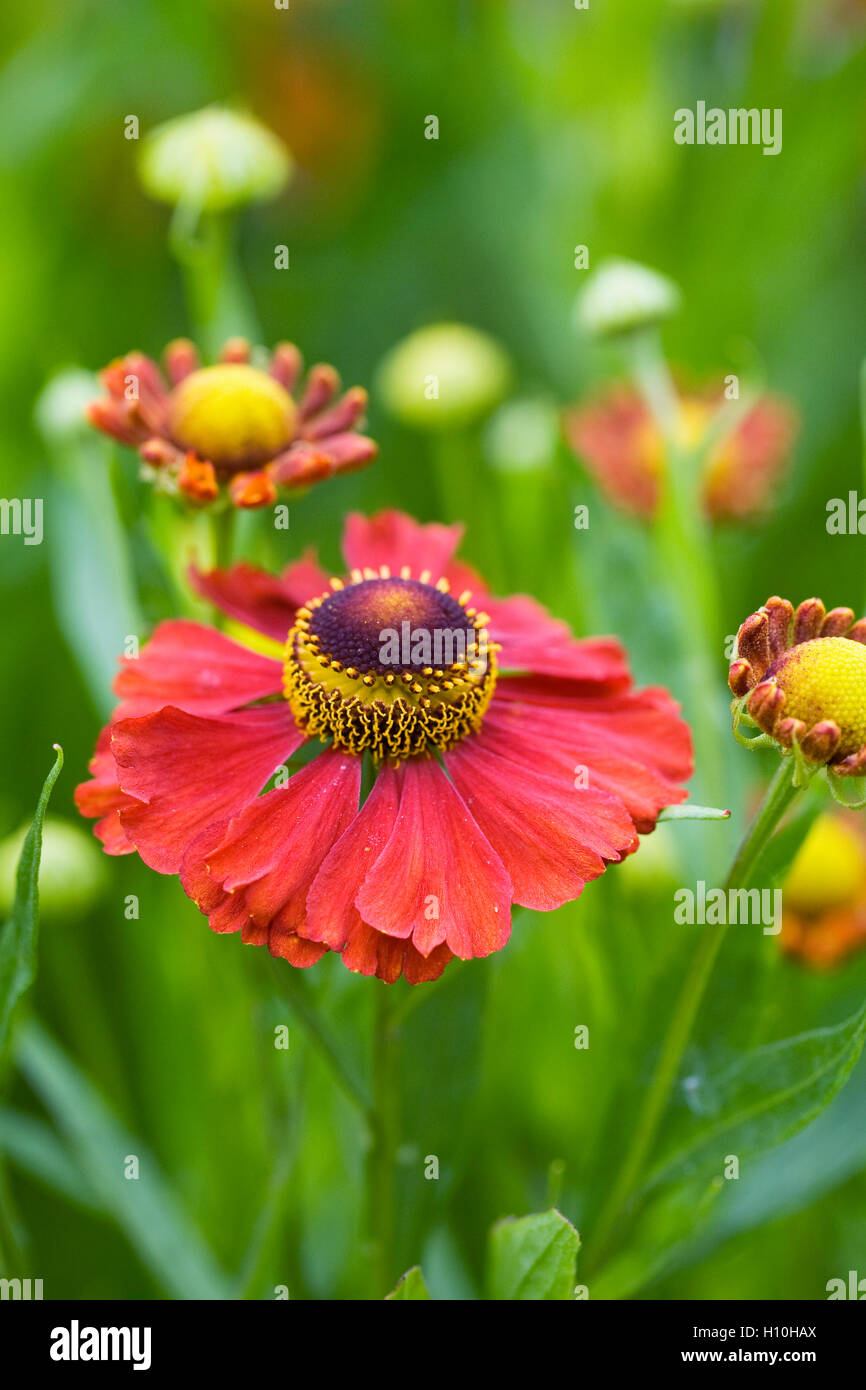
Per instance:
x=555, y=130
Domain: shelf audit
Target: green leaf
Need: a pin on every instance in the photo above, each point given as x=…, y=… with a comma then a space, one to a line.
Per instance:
x=759, y=1100
x=145, y=1208
x=411, y=1286
x=35, y=1149
x=533, y=1258
x=19, y=937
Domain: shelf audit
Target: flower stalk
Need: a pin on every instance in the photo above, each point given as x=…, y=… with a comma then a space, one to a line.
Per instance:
x=382, y=1155
x=779, y=796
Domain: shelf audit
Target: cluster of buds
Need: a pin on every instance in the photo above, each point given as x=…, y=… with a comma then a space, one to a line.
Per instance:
x=233, y=430
x=800, y=677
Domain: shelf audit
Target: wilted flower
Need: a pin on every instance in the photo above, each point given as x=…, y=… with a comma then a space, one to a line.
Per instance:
x=801, y=678
x=233, y=427
x=213, y=159
x=512, y=762
x=824, y=894
x=622, y=446
x=444, y=377
x=622, y=296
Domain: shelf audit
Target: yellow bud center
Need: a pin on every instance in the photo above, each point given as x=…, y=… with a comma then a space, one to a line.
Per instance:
x=826, y=679
x=233, y=415
x=693, y=417
x=829, y=870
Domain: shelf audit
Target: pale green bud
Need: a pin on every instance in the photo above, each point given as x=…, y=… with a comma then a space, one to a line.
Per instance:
x=214, y=159
x=444, y=377
x=71, y=872
x=522, y=436
x=622, y=296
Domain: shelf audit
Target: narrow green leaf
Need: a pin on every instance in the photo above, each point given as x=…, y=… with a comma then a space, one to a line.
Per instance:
x=144, y=1207
x=18, y=939
x=689, y=812
x=410, y=1287
x=759, y=1100
x=533, y=1258
x=35, y=1149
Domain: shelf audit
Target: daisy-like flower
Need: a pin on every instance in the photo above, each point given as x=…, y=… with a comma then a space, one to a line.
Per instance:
x=824, y=894
x=511, y=768
x=801, y=678
x=233, y=428
x=621, y=445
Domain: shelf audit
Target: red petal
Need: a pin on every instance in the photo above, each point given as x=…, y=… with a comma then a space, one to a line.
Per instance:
x=551, y=838
x=192, y=772
x=394, y=539
x=332, y=916
x=103, y=798
x=262, y=601
x=372, y=953
x=437, y=879
x=269, y=855
x=196, y=669
x=532, y=640
x=629, y=746
x=341, y=417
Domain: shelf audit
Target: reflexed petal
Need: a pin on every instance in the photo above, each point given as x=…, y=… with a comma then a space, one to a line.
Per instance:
x=191, y=772
x=550, y=837
x=268, y=856
x=437, y=879
x=196, y=669
x=394, y=539
x=102, y=798
x=532, y=640
x=633, y=745
x=262, y=601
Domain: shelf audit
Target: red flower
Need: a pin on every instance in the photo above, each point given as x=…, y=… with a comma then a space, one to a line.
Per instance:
x=620, y=443
x=513, y=773
x=233, y=427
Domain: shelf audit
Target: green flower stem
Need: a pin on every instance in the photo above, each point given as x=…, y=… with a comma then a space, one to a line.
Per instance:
x=682, y=550
x=223, y=529
x=780, y=794
x=297, y=991
x=863, y=414
x=381, y=1159
x=466, y=494
x=217, y=297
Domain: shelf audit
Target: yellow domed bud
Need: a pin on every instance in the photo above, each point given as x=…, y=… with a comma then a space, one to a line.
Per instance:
x=829, y=870
x=800, y=675
x=825, y=679
x=232, y=414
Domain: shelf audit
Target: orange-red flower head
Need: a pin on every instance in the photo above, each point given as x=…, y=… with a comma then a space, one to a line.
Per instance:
x=620, y=443
x=801, y=676
x=508, y=769
x=233, y=429
x=824, y=894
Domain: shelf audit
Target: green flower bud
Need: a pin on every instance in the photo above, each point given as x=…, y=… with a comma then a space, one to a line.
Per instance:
x=623, y=296
x=213, y=159
x=444, y=377
x=71, y=874
x=59, y=411
x=522, y=436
